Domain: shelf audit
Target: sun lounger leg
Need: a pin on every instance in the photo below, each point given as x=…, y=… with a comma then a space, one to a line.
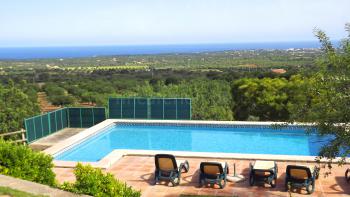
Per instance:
x=156, y=179
x=310, y=188
x=347, y=175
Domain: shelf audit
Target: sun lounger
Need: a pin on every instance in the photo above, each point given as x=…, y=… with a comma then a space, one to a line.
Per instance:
x=301, y=176
x=213, y=173
x=169, y=169
x=263, y=171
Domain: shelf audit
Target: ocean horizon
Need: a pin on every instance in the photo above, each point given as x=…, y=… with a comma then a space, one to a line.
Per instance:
x=18, y=53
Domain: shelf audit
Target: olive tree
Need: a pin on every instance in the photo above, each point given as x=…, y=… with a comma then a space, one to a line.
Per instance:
x=15, y=105
x=329, y=105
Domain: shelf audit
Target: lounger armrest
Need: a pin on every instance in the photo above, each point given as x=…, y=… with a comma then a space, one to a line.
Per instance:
x=226, y=168
x=180, y=167
x=183, y=165
x=251, y=167
x=276, y=168
x=224, y=173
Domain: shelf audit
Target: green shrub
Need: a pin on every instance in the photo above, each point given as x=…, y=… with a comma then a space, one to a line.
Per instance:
x=22, y=162
x=94, y=182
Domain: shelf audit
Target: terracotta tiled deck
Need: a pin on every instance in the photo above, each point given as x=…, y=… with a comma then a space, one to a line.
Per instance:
x=137, y=171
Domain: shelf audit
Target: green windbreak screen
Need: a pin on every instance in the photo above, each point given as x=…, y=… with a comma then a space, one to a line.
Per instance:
x=88, y=121
x=38, y=127
x=150, y=108
x=30, y=129
x=59, y=119
x=85, y=117
x=141, y=107
x=74, y=117
x=128, y=107
x=53, y=123
x=115, y=106
x=43, y=125
x=65, y=118
x=183, y=109
x=99, y=115
x=46, y=124
x=157, y=108
x=170, y=109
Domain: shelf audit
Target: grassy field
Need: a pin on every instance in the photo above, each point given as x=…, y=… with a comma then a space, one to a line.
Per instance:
x=222, y=59
x=92, y=68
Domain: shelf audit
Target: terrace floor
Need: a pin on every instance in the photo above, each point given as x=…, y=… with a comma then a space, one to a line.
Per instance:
x=54, y=138
x=137, y=171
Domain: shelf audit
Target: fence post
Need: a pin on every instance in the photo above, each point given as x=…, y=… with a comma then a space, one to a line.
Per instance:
x=176, y=109
x=134, y=107
x=163, y=107
x=23, y=137
x=190, y=109
x=81, y=121
x=93, y=116
x=61, y=110
x=49, y=121
x=68, y=118
x=25, y=126
x=42, y=125
x=121, y=108
x=148, y=108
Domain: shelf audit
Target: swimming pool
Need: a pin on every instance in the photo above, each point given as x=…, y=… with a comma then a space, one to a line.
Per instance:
x=244, y=139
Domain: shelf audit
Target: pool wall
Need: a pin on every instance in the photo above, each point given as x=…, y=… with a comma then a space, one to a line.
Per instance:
x=115, y=155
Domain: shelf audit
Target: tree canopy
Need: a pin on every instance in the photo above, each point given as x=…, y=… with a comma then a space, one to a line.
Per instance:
x=15, y=105
x=329, y=105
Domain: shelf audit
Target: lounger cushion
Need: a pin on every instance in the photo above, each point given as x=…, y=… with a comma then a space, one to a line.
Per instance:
x=212, y=169
x=223, y=164
x=301, y=173
x=263, y=168
x=166, y=164
x=262, y=173
x=264, y=165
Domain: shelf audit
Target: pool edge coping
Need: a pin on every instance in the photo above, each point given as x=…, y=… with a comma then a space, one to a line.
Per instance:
x=116, y=154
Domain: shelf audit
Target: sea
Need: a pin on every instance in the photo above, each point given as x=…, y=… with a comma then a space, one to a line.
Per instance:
x=18, y=53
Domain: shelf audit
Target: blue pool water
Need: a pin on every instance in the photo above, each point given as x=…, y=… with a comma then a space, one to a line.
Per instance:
x=253, y=140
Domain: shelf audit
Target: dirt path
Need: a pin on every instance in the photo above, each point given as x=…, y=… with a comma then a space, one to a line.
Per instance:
x=45, y=105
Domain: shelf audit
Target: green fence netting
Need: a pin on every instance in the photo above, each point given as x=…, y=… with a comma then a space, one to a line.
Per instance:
x=128, y=108
x=46, y=124
x=43, y=125
x=150, y=108
x=85, y=117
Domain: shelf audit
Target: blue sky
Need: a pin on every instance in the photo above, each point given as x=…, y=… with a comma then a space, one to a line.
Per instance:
x=125, y=22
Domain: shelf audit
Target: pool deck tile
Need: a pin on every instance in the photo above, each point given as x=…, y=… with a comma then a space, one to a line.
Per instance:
x=137, y=171
x=51, y=140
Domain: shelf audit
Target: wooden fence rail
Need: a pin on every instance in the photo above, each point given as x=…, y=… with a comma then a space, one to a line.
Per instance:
x=23, y=136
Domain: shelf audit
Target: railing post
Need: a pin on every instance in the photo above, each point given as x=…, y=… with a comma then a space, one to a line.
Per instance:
x=23, y=137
